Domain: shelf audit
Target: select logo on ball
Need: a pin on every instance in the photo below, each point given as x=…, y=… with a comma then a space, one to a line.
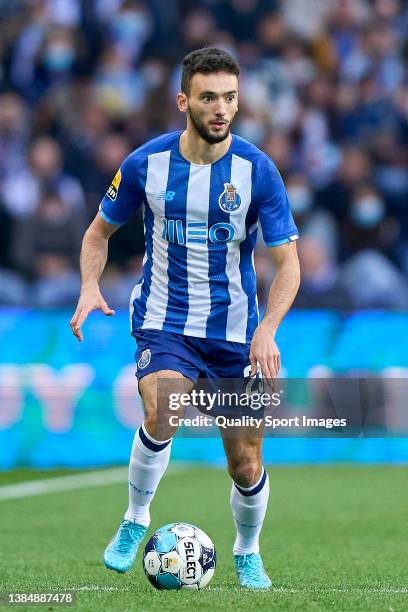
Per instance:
x=191, y=564
x=179, y=556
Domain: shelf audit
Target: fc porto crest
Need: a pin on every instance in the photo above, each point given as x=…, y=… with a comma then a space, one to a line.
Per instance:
x=229, y=200
x=144, y=359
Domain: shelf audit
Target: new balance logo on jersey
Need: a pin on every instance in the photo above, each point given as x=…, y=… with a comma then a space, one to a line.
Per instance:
x=174, y=231
x=167, y=196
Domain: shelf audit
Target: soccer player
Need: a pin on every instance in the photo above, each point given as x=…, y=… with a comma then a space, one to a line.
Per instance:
x=194, y=312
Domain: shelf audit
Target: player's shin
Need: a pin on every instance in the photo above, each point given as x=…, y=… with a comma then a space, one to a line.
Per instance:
x=248, y=509
x=148, y=462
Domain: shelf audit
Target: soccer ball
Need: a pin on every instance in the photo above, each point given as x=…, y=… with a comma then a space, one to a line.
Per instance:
x=179, y=556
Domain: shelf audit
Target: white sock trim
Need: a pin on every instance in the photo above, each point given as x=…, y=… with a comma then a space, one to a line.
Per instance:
x=248, y=489
x=149, y=437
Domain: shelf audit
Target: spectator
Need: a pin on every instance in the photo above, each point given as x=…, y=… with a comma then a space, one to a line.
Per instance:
x=374, y=282
x=128, y=242
x=103, y=161
x=14, y=134
x=22, y=190
x=279, y=147
x=312, y=221
x=118, y=86
x=367, y=225
x=48, y=240
x=13, y=290
x=81, y=135
x=26, y=47
x=355, y=168
x=321, y=283
x=57, y=284
x=129, y=28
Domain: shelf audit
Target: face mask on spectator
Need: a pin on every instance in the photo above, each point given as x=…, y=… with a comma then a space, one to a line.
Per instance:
x=59, y=57
x=300, y=199
x=131, y=25
x=367, y=211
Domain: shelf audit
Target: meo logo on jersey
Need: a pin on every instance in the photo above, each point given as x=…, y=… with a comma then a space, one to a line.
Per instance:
x=229, y=200
x=174, y=231
x=144, y=359
x=114, y=186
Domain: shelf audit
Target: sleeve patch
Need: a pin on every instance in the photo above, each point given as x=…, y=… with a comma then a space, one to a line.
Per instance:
x=114, y=186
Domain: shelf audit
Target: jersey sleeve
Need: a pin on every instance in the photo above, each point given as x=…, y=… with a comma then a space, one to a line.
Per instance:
x=274, y=212
x=124, y=195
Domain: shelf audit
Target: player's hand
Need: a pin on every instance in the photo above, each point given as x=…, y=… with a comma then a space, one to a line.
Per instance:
x=264, y=351
x=90, y=299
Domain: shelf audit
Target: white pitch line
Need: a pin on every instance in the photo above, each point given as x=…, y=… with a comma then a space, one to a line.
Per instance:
x=98, y=478
x=317, y=590
x=30, y=488
x=96, y=587
x=237, y=589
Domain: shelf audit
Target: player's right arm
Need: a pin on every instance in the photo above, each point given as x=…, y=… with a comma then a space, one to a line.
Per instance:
x=93, y=258
x=124, y=195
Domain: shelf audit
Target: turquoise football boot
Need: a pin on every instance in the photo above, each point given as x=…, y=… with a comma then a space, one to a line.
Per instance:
x=120, y=554
x=251, y=572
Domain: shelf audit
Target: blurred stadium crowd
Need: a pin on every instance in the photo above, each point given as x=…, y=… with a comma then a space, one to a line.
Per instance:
x=324, y=91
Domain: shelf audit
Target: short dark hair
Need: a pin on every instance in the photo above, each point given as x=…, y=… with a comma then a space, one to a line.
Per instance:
x=206, y=61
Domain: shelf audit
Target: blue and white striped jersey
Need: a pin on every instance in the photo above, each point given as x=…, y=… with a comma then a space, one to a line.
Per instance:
x=200, y=231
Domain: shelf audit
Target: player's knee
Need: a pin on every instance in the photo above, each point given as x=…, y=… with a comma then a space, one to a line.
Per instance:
x=245, y=471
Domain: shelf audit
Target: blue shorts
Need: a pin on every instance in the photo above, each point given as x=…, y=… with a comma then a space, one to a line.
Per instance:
x=193, y=357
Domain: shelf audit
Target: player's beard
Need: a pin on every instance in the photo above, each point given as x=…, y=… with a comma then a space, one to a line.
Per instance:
x=203, y=130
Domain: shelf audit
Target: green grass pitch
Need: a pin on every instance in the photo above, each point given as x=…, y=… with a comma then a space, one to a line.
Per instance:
x=335, y=538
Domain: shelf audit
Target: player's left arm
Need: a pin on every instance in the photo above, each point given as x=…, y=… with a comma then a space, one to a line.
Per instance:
x=280, y=234
x=284, y=288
